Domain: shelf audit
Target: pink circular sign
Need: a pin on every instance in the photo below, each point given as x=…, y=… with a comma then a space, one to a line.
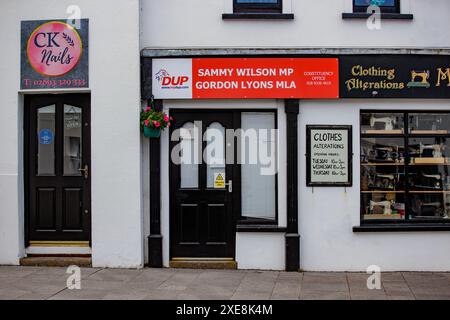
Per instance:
x=54, y=48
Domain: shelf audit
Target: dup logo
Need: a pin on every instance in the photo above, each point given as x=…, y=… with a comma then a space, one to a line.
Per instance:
x=166, y=80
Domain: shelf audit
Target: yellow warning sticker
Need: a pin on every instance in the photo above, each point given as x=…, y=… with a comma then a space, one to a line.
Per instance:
x=219, y=180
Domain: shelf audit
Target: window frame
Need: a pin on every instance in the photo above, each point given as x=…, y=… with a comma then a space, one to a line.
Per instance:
x=405, y=223
x=384, y=9
x=257, y=7
x=249, y=221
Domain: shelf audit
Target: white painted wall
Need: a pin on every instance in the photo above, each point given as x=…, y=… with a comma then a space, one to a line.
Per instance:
x=266, y=259
x=319, y=23
x=327, y=215
x=117, y=234
x=261, y=250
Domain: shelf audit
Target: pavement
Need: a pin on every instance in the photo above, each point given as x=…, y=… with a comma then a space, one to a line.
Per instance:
x=39, y=283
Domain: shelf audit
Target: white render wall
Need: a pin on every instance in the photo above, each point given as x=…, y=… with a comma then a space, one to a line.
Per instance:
x=319, y=23
x=327, y=215
x=117, y=236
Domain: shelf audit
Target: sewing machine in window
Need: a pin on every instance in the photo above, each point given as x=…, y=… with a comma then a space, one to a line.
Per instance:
x=384, y=124
x=424, y=181
x=431, y=153
x=384, y=154
x=429, y=210
x=380, y=207
x=386, y=181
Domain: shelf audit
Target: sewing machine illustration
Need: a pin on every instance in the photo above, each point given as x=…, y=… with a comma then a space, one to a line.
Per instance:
x=381, y=207
x=423, y=76
x=385, y=123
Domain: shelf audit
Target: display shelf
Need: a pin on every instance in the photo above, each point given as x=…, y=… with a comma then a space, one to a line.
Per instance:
x=383, y=216
x=383, y=132
x=429, y=132
x=382, y=163
x=429, y=191
x=383, y=191
x=432, y=161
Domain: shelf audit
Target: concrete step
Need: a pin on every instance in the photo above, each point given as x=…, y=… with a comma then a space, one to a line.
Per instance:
x=203, y=264
x=56, y=261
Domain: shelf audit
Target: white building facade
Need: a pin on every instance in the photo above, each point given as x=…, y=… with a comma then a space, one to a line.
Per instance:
x=334, y=84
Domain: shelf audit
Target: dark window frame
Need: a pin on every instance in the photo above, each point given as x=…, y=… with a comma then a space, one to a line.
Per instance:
x=405, y=224
x=384, y=9
x=258, y=7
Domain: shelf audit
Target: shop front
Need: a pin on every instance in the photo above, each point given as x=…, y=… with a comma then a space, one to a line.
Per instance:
x=360, y=147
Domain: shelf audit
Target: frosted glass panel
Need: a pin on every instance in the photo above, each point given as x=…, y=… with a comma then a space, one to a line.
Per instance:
x=215, y=153
x=189, y=161
x=72, y=140
x=46, y=139
x=258, y=187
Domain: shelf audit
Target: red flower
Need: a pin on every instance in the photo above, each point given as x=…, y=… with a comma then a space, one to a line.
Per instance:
x=170, y=118
x=146, y=123
x=157, y=124
x=166, y=118
x=148, y=109
x=168, y=124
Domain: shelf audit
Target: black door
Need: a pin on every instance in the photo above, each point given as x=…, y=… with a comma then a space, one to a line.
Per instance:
x=57, y=163
x=201, y=213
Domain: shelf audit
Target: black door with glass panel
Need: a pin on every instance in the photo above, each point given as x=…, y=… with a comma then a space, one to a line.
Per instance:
x=201, y=197
x=57, y=164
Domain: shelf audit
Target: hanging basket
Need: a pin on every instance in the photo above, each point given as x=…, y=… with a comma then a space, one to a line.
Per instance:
x=151, y=132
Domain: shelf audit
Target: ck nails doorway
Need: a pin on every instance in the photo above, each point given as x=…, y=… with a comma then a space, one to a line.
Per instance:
x=213, y=187
x=57, y=169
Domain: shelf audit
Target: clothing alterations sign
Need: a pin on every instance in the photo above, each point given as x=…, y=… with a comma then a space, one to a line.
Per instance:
x=395, y=76
x=54, y=54
x=329, y=155
x=246, y=78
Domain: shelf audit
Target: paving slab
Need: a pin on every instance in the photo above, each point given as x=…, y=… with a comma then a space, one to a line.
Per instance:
x=39, y=283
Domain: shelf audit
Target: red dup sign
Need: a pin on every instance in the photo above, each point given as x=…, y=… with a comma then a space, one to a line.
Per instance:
x=246, y=78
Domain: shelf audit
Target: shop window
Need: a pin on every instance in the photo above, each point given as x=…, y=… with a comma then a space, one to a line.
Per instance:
x=405, y=162
x=257, y=6
x=389, y=6
x=258, y=167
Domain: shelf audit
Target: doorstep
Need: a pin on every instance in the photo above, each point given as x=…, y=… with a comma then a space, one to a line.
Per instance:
x=203, y=263
x=56, y=261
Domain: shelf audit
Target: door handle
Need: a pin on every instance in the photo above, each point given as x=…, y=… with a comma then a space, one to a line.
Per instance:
x=230, y=186
x=85, y=171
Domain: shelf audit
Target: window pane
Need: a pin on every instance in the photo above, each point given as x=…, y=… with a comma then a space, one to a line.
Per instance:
x=72, y=140
x=387, y=3
x=189, y=161
x=382, y=123
x=383, y=178
x=258, y=148
x=429, y=123
x=46, y=140
x=428, y=178
x=257, y=1
x=215, y=153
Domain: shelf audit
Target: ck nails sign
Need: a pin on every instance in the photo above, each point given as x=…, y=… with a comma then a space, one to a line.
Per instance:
x=54, y=55
x=54, y=49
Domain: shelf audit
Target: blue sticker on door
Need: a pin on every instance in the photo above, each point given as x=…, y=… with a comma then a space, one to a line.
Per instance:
x=45, y=136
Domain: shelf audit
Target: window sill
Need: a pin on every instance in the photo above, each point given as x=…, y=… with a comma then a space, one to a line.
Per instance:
x=257, y=16
x=364, y=15
x=402, y=227
x=259, y=228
